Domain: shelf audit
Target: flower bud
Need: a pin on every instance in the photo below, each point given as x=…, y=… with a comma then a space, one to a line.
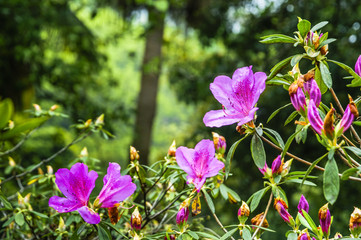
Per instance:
x=297, y=97
x=243, y=212
x=37, y=107
x=182, y=215
x=304, y=235
x=11, y=124
x=172, y=149
x=12, y=163
x=84, y=153
x=264, y=169
x=353, y=107
x=313, y=91
x=136, y=220
x=310, y=74
x=40, y=171
x=324, y=49
x=258, y=219
x=219, y=143
x=286, y=167
x=54, y=107
x=277, y=165
x=100, y=120
x=337, y=235
x=358, y=66
x=355, y=222
x=324, y=216
x=169, y=237
x=61, y=226
x=281, y=208
x=49, y=169
x=303, y=205
x=133, y=154
x=328, y=123
x=315, y=40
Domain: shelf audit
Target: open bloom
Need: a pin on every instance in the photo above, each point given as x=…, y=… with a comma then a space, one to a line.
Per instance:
x=358, y=66
x=238, y=97
x=77, y=183
x=303, y=205
x=199, y=163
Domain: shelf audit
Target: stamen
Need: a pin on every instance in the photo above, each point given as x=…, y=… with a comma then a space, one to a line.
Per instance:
x=231, y=115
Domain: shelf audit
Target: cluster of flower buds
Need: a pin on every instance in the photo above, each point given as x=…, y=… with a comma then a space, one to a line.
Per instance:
x=326, y=128
x=304, y=87
x=355, y=223
x=278, y=168
x=219, y=143
x=313, y=40
x=324, y=216
x=134, y=155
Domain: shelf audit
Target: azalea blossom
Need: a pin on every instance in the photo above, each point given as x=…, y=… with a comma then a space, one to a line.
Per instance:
x=238, y=97
x=324, y=216
x=358, y=66
x=77, y=183
x=298, y=91
x=303, y=205
x=199, y=163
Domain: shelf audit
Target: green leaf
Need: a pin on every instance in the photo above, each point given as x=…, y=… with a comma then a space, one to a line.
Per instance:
x=39, y=214
x=257, y=151
x=305, y=182
x=5, y=201
x=311, y=52
x=319, y=26
x=291, y=117
x=209, y=200
x=103, y=232
x=325, y=74
x=277, y=81
x=302, y=134
x=292, y=236
x=277, y=38
x=277, y=111
x=355, y=150
x=10, y=220
x=318, y=79
x=278, y=67
x=331, y=181
x=304, y=27
x=303, y=221
x=229, y=234
x=193, y=235
x=233, y=194
x=277, y=136
x=6, y=110
x=223, y=190
x=356, y=82
x=296, y=58
x=19, y=219
x=256, y=198
x=246, y=234
x=327, y=41
x=310, y=168
x=349, y=172
x=230, y=156
x=28, y=125
x=207, y=235
x=309, y=221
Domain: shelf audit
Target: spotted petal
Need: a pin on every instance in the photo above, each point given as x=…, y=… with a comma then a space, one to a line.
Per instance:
x=89, y=215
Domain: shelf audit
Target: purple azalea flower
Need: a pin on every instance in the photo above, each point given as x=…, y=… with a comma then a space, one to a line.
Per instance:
x=298, y=97
x=358, y=66
x=77, y=183
x=199, y=163
x=314, y=117
x=313, y=91
x=324, y=216
x=264, y=169
x=281, y=208
x=238, y=97
x=182, y=215
x=303, y=205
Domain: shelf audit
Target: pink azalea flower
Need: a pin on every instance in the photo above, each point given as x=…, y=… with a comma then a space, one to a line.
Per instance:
x=77, y=183
x=199, y=163
x=238, y=97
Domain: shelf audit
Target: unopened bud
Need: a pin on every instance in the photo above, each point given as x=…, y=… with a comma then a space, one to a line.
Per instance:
x=324, y=49
x=113, y=213
x=315, y=40
x=136, y=220
x=11, y=124
x=84, y=153
x=293, y=88
x=353, y=107
x=62, y=225
x=54, y=107
x=281, y=208
x=100, y=120
x=219, y=143
x=183, y=212
x=286, y=167
x=328, y=123
x=87, y=123
x=172, y=149
x=258, y=219
x=277, y=165
x=304, y=235
x=40, y=171
x=243, y=212
x=133, y=154
x=324, y=216
x=355, y=222
x=37, y=107
x=12, y=163
x=49, y=169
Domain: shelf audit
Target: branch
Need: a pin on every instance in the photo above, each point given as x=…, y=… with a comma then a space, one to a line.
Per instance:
x=216, y=218
x=76, y=140
x=265, y=214
x=18, y=144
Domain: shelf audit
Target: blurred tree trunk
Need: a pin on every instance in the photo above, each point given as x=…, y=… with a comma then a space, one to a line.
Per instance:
x=147, y=98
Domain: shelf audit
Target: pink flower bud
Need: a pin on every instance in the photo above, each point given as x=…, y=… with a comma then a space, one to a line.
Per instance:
x=303, y=205
x=277, y=165
x=358, y=66
x=325, y=219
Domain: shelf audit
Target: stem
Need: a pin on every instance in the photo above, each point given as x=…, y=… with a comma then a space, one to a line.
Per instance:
x=161, y=175
x=144, y=193
x=18, y=144
x=302, y=160
x=216, y=218
x=31, y=229
x=354, y=133
x=76, y=140
x=265, y=214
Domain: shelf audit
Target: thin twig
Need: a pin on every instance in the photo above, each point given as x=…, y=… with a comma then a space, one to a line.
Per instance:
x=354, y=133
x=161, y=175
x=18, y=144
x=217, y=220
x=144, y=193
x=76, y=140
x=31, y=229
x=302, y=160
x=264, y=216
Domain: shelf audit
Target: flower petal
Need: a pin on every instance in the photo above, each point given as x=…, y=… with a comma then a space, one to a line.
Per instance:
x=184, y=157
x=248, y=118
x=89, y=215
x=347, y=119
x=358, y=66
x=314, y=117
x=259, y=85
x=116, y=187
x=313, y=90
x=199, y=182
x=222, y=91
x=218, y=118
x=62, y=205
x=204, y=153
x=214, y=166
x=76, y=184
